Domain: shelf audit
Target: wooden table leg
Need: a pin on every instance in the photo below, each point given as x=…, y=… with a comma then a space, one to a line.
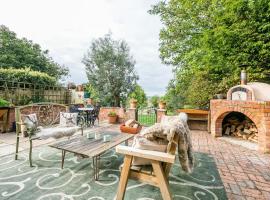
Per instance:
x=162, y=180
x=63, y=158
x=124, y=178
x=126, y=142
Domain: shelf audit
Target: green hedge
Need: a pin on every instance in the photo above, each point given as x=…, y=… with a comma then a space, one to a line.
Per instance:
x=26, y=75
x=4, y=102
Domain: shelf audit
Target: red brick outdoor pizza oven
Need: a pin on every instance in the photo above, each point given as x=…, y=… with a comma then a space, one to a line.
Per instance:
x=252, y=100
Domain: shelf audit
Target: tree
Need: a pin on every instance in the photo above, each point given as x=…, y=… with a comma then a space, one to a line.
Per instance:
x=138, y=94
x=154, y=101
x=208, y=41
x=110, y=69
x=22, y=53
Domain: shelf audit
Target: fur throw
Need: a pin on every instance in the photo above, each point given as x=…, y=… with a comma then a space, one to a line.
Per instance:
x=162, y=132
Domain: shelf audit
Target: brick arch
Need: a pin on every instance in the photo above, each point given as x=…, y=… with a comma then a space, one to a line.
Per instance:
x=257, y=111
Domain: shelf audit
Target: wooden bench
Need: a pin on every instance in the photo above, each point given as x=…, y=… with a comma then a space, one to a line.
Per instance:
x=48, y=115
x=157, y=173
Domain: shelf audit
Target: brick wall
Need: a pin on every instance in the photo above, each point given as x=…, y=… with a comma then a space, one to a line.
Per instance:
x=257, y=111
x=104, y=111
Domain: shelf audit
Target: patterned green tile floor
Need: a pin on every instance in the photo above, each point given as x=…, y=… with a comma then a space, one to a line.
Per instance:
x=47, y=181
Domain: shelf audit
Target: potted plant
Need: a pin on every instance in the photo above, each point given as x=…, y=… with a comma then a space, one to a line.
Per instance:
x=161, y=104
x=133, y=103
x=112, y=116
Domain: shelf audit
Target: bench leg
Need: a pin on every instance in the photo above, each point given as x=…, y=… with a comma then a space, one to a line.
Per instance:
x=124, y=178
x=30, y=153
x=162, y=180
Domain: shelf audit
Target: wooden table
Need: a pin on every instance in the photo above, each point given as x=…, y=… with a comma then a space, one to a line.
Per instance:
x=93, y=148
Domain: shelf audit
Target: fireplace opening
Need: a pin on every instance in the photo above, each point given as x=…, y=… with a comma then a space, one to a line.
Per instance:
x=238, y=125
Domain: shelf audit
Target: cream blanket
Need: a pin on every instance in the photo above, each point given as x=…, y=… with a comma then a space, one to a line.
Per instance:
x=163, y=131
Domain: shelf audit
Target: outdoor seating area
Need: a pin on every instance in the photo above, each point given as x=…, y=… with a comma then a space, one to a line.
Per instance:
x=135, y=100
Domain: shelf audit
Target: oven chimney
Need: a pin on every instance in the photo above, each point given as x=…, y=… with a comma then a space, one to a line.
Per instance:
x=243, y=77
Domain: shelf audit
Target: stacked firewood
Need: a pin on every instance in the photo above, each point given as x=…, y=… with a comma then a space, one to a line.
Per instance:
x=245, y=129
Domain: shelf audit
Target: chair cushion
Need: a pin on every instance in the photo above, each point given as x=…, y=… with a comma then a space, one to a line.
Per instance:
x=140, y=142
x=31, y=123
x=57, y=132
x=68, y=119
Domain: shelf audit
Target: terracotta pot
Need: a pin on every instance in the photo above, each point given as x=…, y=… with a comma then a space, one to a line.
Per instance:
x=133, y=104
x=79, y=88
x=112, y=119
x=130, y=130
x=161, y=105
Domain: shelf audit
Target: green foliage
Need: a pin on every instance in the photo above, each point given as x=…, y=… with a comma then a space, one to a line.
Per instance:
x=154, y=101
x=110, y=70
x=138, y=94
x=94, y=94
x=4, y=103
x=208, y=41
x=18, y=53
x=112, y=114
x=26, y=75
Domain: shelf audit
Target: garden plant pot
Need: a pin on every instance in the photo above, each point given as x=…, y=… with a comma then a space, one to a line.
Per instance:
x=133, y=105
x=112, y=119
x=162, y=105
x=131, y=130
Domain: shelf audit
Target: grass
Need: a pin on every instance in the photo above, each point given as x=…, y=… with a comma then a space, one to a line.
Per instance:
x=147, y=120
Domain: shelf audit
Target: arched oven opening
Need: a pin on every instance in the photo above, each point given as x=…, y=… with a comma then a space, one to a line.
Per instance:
x=238, y=125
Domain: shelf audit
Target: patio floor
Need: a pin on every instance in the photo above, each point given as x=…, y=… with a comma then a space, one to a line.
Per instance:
x=245, y=173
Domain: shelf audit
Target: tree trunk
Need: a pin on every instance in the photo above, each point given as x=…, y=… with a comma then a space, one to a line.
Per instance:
x=116, y=101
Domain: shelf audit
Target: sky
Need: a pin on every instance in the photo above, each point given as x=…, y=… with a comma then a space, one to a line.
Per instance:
x=67, y=27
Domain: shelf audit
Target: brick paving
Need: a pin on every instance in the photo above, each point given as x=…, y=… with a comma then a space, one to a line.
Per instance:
x=245, y=173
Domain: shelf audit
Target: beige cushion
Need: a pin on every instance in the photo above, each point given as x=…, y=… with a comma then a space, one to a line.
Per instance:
x=57, y=132
x=31, y=123
x=141, y=142
x=68, y=119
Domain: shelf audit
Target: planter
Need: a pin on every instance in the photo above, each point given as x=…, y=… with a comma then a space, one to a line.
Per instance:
x=112, y=119
x=133, y=103
x=79, y=88
x=130, y=130
x=162, y=105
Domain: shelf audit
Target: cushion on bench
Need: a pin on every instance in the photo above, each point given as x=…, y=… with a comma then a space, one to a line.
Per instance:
x=57, y=132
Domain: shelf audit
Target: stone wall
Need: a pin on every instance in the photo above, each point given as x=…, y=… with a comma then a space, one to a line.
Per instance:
x=257, y=111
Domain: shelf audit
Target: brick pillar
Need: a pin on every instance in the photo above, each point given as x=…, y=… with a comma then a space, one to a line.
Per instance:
x=160, y=113
x=131, y=113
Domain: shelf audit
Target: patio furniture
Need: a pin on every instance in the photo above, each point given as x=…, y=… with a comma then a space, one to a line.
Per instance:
x=91, y=147
x=155, y=174
x=87, y=112
x=48, y=116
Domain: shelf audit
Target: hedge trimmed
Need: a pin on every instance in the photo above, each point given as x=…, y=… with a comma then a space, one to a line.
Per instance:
x=26, y=75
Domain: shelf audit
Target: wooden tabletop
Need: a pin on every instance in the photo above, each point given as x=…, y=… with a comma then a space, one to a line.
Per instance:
x=92, y=147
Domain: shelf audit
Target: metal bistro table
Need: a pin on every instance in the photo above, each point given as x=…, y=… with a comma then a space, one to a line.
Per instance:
x=88, y=114
x=91, y=148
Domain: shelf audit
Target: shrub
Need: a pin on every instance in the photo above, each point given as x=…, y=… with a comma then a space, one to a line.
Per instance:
x=4, y=102
x=26, y=75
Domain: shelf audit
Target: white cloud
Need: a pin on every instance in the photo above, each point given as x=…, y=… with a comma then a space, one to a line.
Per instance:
x=67, y=27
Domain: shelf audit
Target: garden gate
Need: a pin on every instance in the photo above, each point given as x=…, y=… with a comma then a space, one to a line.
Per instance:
x=146, y=116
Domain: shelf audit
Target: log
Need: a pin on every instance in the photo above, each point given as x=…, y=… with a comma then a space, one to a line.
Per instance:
x=228, y=130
